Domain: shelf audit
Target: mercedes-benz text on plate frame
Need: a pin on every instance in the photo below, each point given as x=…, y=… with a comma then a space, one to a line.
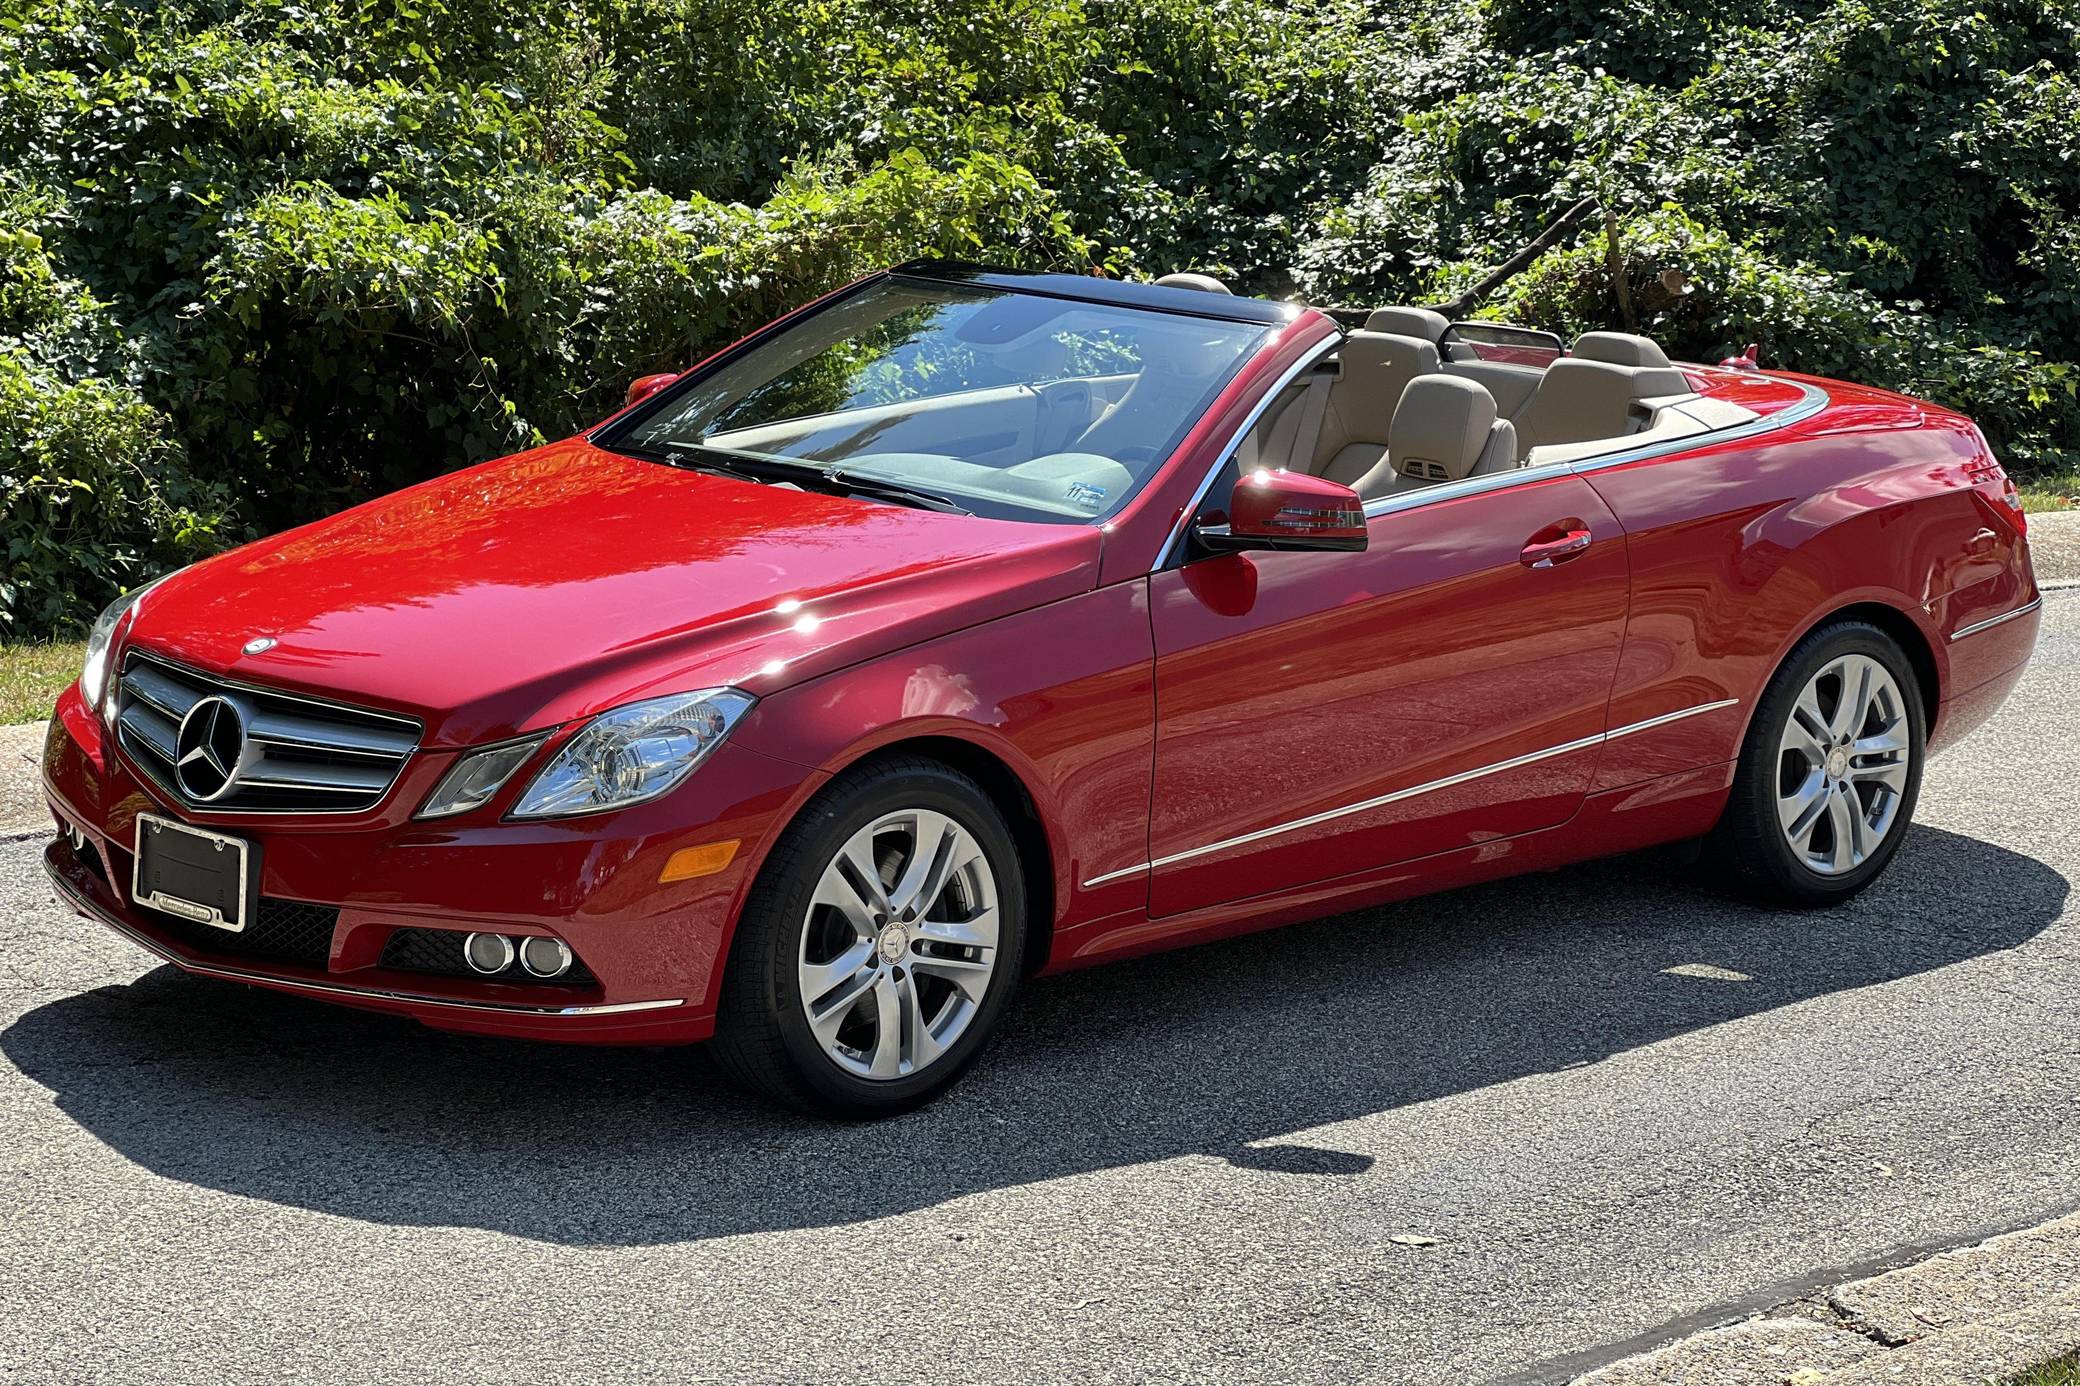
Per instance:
x=967, y=624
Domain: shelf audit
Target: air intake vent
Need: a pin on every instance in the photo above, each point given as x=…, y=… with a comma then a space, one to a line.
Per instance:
x=253, y=750
x=286, y=931
x=440, y=951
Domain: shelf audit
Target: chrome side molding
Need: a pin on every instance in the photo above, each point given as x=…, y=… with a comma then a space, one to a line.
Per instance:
x=1429, y=787
x=1990, y=622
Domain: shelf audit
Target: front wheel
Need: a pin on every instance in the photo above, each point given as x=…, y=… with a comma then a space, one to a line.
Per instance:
x=1829, y=772
x=879, y=947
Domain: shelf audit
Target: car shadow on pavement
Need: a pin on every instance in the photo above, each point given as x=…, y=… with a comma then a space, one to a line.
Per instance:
x=1221, y=1050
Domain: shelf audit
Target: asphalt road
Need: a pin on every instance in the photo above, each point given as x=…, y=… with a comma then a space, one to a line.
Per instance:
x=1615, y=1101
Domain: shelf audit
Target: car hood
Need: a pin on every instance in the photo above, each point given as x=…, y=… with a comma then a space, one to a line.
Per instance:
x=553, y=584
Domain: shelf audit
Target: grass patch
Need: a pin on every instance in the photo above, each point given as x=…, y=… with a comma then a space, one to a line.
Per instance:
x=2053, y=492
x=32, y=676
x=2063, y=1372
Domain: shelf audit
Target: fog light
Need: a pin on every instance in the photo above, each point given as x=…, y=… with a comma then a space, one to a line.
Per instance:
x=545, y=957
x=487, y=953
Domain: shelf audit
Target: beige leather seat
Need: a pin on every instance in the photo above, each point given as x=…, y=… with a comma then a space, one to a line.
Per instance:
x=1204, y=283
x=1620, y=349
x=1426, y=323
x=1444, y=429
x=1164, y=391
x=1580, y=397
x=1375, y=368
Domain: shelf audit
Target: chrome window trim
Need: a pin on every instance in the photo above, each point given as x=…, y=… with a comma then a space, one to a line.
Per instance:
x=1815, y=399
x=1990, y=622
x=1812, y=401
x=1191, y=509
x=1431, y=786
x=87, y=906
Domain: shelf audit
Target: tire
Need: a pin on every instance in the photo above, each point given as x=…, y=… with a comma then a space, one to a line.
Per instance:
x=816, y=935
x=1811, y=820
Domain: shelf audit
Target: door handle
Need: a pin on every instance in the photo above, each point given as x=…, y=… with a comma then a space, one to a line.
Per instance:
x=1556, y=543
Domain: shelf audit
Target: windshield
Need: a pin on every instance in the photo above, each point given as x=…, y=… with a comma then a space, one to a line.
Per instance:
x=1008, y=404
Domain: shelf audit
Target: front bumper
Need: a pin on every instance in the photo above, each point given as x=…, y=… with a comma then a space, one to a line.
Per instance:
x=651, y=951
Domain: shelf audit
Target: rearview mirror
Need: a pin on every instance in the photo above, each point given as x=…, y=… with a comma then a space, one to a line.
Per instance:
x=1288, y=510
x=644, y=386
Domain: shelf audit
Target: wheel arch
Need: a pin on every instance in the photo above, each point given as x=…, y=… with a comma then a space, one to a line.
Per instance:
x=1010, y=792
x=1895, y=621
x=1006, y=787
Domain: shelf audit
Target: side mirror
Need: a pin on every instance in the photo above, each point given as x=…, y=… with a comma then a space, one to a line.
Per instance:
x=644, y=386
x=1288, y=510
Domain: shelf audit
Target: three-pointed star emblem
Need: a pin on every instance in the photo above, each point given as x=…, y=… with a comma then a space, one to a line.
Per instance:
x=209, y=749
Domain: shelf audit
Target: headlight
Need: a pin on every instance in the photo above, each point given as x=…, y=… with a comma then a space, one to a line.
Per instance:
x=633, y=753
x=477, y=776
x=93, y=674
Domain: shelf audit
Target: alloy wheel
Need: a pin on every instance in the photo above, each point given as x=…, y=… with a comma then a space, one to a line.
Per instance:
x=899, y=944
x=1843, y=764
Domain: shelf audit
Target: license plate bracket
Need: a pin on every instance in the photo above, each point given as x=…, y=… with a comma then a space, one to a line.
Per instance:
x=190, y=873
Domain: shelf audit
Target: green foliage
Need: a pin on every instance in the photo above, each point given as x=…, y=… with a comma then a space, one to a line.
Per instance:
x=259, y=260
x=1884, y=190
x=94, y=497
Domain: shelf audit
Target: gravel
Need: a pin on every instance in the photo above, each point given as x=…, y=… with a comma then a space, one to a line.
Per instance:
x=1505, y=1134
x=22, y=809
x=2054, y=545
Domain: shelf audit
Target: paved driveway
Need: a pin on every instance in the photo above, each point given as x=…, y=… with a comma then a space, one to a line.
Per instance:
x=1613, y=1100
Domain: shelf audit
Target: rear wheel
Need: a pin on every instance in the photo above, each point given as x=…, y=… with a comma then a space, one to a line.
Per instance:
x=879, y=947
x=1829, y=772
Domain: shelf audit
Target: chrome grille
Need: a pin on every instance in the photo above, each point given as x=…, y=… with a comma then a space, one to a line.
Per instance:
x=301, y=755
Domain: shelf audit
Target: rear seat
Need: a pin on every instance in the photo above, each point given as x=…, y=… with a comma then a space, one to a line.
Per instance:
x=1425, y=323
x=1620, y=349
x=1613, y=386
x=1591, y=393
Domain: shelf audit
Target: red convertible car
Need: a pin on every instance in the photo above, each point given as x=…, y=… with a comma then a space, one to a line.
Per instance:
x=967, y=624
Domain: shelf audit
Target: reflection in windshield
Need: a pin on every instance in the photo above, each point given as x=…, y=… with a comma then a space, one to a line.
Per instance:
x=1009, y=404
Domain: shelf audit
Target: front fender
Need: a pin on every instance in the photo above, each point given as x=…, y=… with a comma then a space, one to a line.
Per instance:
x=1062, y=695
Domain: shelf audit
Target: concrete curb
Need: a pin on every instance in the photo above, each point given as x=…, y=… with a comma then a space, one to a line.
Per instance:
x=1962, y=1318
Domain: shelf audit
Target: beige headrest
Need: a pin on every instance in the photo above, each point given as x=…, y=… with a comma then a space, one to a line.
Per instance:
x=1620, y=349
x=1425, y=323
x=1441, y=428
x=1204, y=283
x=1578, y=399
x=1375, y=367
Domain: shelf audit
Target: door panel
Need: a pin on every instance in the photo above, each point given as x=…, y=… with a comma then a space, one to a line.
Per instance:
x=1296, y=687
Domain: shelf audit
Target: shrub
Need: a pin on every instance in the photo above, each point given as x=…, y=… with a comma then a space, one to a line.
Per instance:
x=94, y=498
x=258, y=261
